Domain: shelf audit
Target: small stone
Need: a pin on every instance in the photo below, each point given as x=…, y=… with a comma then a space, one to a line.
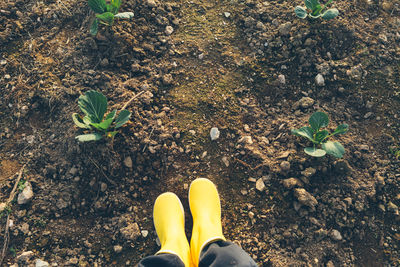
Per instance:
x=283, y=155
x=2, y=207
x=246, y=140
x=128, y=162
x=282, y=79
x=167, y=79
x=145, y=233
x=7, y=77
x=214, y=133
x=24, y=257
x=368, y=115
x=304, y=102
x=319, y=80
x=151, y=3
x=117, y=248
x=201, y=56
x=246, y=128
x=227, y=14
x=130, y=232
x=169, y=30
x=330, y=264
x=284, y=29
x=335, y=235
x=41, y=263
x=309, y=172
x=26, y=195
x=260, y=186
x=73, y=171
x=252, y=180
x=285, y=166
x=104, y=62
x=291, y=183
x=103, y=187
x=393, y=208
x=225, y=161
x=305, y=198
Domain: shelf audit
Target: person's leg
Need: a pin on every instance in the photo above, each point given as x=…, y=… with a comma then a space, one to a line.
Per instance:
x=225, y=254
x=165, y=260
x=169, y=221
x=208, y=246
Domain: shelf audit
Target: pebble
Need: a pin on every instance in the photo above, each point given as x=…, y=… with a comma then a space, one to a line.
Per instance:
x=151, y=3
x=292, y=182
x=246, y=140
x=169, y=30
x=214, y=133
x=304, y=102
x=104, y=62
x=117, y=248
x=260, y=186
x=319, y=80
x=145, y=233
x=335, y=235
x=130, y=232
x=309, y=172
x=167, y=79
x=7, y=77
x=128, y=162
x=103, y=187
x=225, y=161
x=282, y=79
x=2, y=206
x=227, y=14
x=40, y=263
x=24, y=257
x=26, y=195
x=285, y=166
x=393, y=208
x=305, y=198
x=284, y=29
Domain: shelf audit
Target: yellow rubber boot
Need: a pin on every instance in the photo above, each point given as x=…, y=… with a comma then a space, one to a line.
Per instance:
x=205, y=207
x=169, y=221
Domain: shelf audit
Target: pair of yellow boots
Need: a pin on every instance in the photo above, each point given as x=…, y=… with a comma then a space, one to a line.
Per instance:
x=169, y=221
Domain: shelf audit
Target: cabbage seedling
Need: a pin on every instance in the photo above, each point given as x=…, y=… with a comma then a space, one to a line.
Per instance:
x=316, y=10
x=94, y=105
x=105, y=13
x=319, y=137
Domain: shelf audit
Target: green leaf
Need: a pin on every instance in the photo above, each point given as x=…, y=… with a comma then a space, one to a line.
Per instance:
x=106, y=18
x=320, y=136
x=125, y=15
x=95, y=27
x=89, y=137
x=304, y=132
x=311, y=4
x=314, y=152
x=94, y=105
x=98, y=6
x=115, y=6
x=330, y=14
x=317, y=10
x=333, y=148
x=341, y=129
x=122, y=118
x=318, y=120
x=301, y=12
x=104, y=125
x=79, y=122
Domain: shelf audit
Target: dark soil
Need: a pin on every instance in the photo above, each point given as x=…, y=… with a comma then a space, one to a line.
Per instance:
x=245, y=66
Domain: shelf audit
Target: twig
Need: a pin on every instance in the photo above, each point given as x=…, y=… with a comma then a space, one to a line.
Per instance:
x=7, y=227
x=130, y=100
x=108, y=179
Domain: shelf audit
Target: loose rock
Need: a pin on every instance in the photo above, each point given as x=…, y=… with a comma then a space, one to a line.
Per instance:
x=26, y=195
x=260, y=186
x=40, y=263
x=305, y=198
x=291, y=183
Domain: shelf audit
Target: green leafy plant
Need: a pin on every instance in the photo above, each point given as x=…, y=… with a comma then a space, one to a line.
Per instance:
x=106, y=13
x=21, y=185
x=319, y=137
x=94, y=105
x=314, y=9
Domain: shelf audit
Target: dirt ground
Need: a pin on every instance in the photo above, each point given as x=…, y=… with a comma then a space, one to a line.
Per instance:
x=247, y=67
